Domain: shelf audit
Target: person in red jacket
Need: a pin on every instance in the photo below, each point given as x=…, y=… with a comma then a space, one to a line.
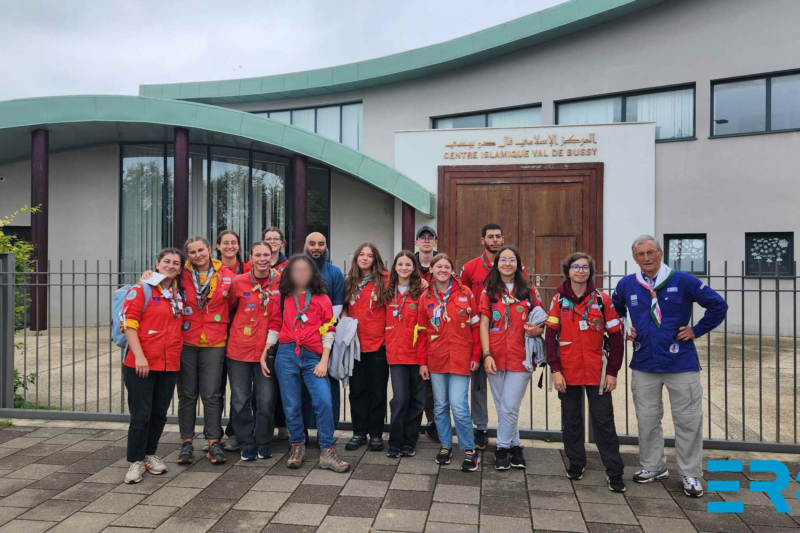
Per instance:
x=365, y=290
x=579, y=319
x=151, y=365
x=304, y=327
x=449, y=353
x=505, y=304
x=408, y=388
x=253, y=295
x=229, y=252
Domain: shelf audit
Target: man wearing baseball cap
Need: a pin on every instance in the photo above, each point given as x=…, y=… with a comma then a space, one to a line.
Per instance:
x=426, y=243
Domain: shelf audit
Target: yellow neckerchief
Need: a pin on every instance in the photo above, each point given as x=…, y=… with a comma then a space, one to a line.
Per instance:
x=212, y=287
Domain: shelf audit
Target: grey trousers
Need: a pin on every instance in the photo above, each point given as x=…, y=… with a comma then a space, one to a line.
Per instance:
x=200, y=375
x=479, y=402
x=508, y=390
x=686, y=398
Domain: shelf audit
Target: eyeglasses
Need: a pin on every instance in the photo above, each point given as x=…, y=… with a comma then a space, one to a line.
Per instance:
x=509, y=260
x=648, y=254
x=273, y=239
x=428, y=238
x=580, y=268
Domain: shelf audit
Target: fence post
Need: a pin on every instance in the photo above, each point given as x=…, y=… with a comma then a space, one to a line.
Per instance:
x=7, y=317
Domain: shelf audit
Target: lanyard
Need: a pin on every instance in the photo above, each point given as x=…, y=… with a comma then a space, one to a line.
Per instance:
x=402, y=303
x=301, y=313
x=442, y=309
x=508, y=299
x=174, y=297
x=263, y=296
x=585, y=314
x=202, y=292
x=361, y=284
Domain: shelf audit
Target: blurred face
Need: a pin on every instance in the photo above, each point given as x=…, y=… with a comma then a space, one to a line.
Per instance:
x=301, y=274
x=442, y=271
x=365, y=259
x=316, y=245
x=648, y=258
x=493, y=240
x=261, y=257
x=228, y=246
x=579, y=271
x=426, y=242
x=404, y=267
x=507, y=263
x=199, y=253
x=275, y=241
x=169, y=265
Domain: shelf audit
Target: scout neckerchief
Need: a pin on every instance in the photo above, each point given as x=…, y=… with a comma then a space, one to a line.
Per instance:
x=301, y=313
x=441, y=311
x=238, y=268
x=361, y=284
x=399, y=311
x=585, y=314
x=202, y=292
x=263, y=296
x=661, y=279
x=508, y=299
x=487, y=266
x=173, y=295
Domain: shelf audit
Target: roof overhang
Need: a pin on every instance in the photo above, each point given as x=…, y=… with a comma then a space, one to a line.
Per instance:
x=80, y=121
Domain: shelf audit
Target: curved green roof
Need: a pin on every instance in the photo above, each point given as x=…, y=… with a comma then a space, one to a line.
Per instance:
x=80, y=121
x=536, y=28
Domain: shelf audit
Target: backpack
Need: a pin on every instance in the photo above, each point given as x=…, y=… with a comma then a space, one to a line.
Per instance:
x=117, y=302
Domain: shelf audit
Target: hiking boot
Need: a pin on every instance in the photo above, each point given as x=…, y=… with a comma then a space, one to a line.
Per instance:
x=297, y=454
x=135, y=472
x=264, y=452
x=409, y=451
x=432, y=432
x=517, y=459
x=471, y=461
x=215, y=454
x=232, y=445
x=575, y=474
x=394, y=453
x=692, y=487
x=154, y=464
x=481, y=439
x=648, y=476
x=444, y=455
x=249, y=453
x=283, y=433
x=375, y=444
x=615, y=484
x=187, y=454
x=501, y=461
x=356, y=442
x=328, y=459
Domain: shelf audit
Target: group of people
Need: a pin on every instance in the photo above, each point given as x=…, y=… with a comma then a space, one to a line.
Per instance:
x=443, y=338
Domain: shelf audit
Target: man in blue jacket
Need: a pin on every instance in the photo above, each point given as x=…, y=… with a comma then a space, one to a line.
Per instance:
x=659, y=301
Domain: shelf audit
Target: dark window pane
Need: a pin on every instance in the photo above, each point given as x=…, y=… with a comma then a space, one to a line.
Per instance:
x=786, y=102
x=686, y=252
x=319, y=201
x=767, y=252
x=198, y=198
x=269, y=193
x=229, y=189
x=466, y=121
x=740, y=107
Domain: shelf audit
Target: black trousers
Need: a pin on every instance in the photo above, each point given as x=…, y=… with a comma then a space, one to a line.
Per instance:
x=368, y=393
x=408, y=403
x=601, y=412
x=280, y=417
x=148, y=402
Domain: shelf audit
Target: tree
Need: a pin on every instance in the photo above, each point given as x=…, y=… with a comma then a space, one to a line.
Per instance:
x=24, y=261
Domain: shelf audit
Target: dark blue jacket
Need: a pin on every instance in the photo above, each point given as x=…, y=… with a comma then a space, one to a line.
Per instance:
x=657, y=349
x=334, y=279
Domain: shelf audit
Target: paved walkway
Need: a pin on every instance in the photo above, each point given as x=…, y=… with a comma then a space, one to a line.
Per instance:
x=67, y=477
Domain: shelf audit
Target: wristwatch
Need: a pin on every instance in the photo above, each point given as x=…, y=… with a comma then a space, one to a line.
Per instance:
x=485, y=355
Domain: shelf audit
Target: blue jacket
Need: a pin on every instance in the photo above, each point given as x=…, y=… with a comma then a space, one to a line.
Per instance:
x=334, y=279
x=657, y=349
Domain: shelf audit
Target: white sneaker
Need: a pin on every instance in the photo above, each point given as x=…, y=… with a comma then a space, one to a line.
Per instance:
x=648, y=476
x=692, y=487
x=154, y=464
x=134, y=474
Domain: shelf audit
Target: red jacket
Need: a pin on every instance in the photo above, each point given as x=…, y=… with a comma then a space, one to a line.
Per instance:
x=370, y=315
x=308, y=334
x=214, y=317
x=402, y=330
x=578, y=354
x=248, y=332
x=507, y=346
x=159, y=329
x=280, y=266
x=474, y=273
x=451, y=346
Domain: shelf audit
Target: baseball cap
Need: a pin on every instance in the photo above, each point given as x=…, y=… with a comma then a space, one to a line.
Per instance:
x=429, y=229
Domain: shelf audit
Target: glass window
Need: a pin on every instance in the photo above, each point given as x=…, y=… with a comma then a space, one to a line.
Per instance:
x=142, y=216
x=740, y=107
x=672, y=111
x=342, y=123
x=229, y=190
x=767, y=252
x=785, y=103
x=329, y=122
x=464, y=121
x=303, y=118
x=269, y=193
x=686, y=252
x=599, y=111
x=353, y=126
x=319, y=201
x=281, y=116
x=512, y=118
x=198, y=199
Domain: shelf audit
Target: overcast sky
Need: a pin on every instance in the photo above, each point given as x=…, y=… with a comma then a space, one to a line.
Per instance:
x=62, y=47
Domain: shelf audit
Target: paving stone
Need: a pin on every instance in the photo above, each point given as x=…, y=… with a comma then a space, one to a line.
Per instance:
x=10, y=486
x=242, y=521
x=660, y=525
x=204, y=465
x=608, y=514
x=324, y=494
x=515, y=474
x=761, y=516
x=84, y=523
x=549, y=484
x=326, y=477
x=9, y=513
x=495, y=505
x=427, y=455
x=59, y=481
x=185, y=525
x=87, y=446
x=246, y=474
x=34, y=471
x=339, y=524
x=365, y=488
x=206, y=508
x=108, y=435
x=457, y=494
x=47, y=432
x=53, y=510
x=697, y=504
x=592, y=477
x=722, y=522
x=544, y=455
x=231, y=490
x=612, y=528
x=286, y=528
x=109, y=452
x=20, y=443
x=194, y=480
x=441, y=527
x=42, y=450
x=748, y=498
x=115, y=503
x=26, y=526
x=409, y=466
x=356, y=507
x=85, y=466
x=171, y=496
x=504, y=524
x=454, y=513
x=413, y=482
x=15, y=462
x=261, y=501
x=27, y=498
x=593, y=494
x=558, y=521
x=277, y=484
x=412, y=501
x=381, y=459
x=374, y=472
x=546, y=468
x=280, y=469
x=557, y=501
x=4, y=471
x=654, y=507
x=507, y=489
x=654, y=490
x=115, y=476
x=67, y=439
x=303, y=514
x=122, y=529
x=457, y=477
x=145, y=516
x=85, y=492
x=400, y=520
x=148, y=485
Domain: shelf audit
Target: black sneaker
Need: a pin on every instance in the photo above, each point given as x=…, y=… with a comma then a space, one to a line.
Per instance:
x=471, y=461
x=575, y=474
x=432, y=432
x=375, y=444
x=409, y=451
x=394, y=453
x=187, y=454
x=501, y=461
x=249, y=453
x=444, y=455
x=517, y=459
x=264, y=452
x=615, y=484
x=481, y=439
x=356, y=442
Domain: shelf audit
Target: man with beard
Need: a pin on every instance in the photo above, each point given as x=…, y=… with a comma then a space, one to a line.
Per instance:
x=473, y=275
x=426, y=243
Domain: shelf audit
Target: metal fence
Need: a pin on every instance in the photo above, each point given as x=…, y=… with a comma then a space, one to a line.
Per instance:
x=72, y=370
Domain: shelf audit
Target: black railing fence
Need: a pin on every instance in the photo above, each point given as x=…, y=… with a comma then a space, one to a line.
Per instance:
x=70, y=368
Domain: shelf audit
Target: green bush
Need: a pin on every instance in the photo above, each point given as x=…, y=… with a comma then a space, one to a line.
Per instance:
x=24, y=260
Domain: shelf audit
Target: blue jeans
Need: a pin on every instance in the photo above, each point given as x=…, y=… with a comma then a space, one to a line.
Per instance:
x=451, y=391
x=309, y=420
x=292, y=371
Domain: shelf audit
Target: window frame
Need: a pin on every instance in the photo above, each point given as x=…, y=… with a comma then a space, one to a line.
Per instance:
x=768, y=103
x=769, y=275
x=683, y=236
x=624, y=95
x=485, y=114
x=314, y=107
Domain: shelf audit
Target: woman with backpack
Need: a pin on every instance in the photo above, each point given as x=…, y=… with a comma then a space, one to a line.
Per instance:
x=450, y=353
x=152, y=328
x=580, y=318
x=505, y=304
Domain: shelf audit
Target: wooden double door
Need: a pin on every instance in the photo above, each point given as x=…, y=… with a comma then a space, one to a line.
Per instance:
x=547, y=211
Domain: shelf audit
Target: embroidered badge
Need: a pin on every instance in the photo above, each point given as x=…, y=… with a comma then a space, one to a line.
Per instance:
x=463, y=312
x=186, y=326
x=520, y=309
x=217, y=318
x=636, y=346
x=672, y=289
x=248, y=331
x=412, y=306
x=187, y=311
x=246, y=295
x=226, y=280
x=156, y=301
x=496, y=316
x=463, y=299
x=132, y=295
x=674, y=348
